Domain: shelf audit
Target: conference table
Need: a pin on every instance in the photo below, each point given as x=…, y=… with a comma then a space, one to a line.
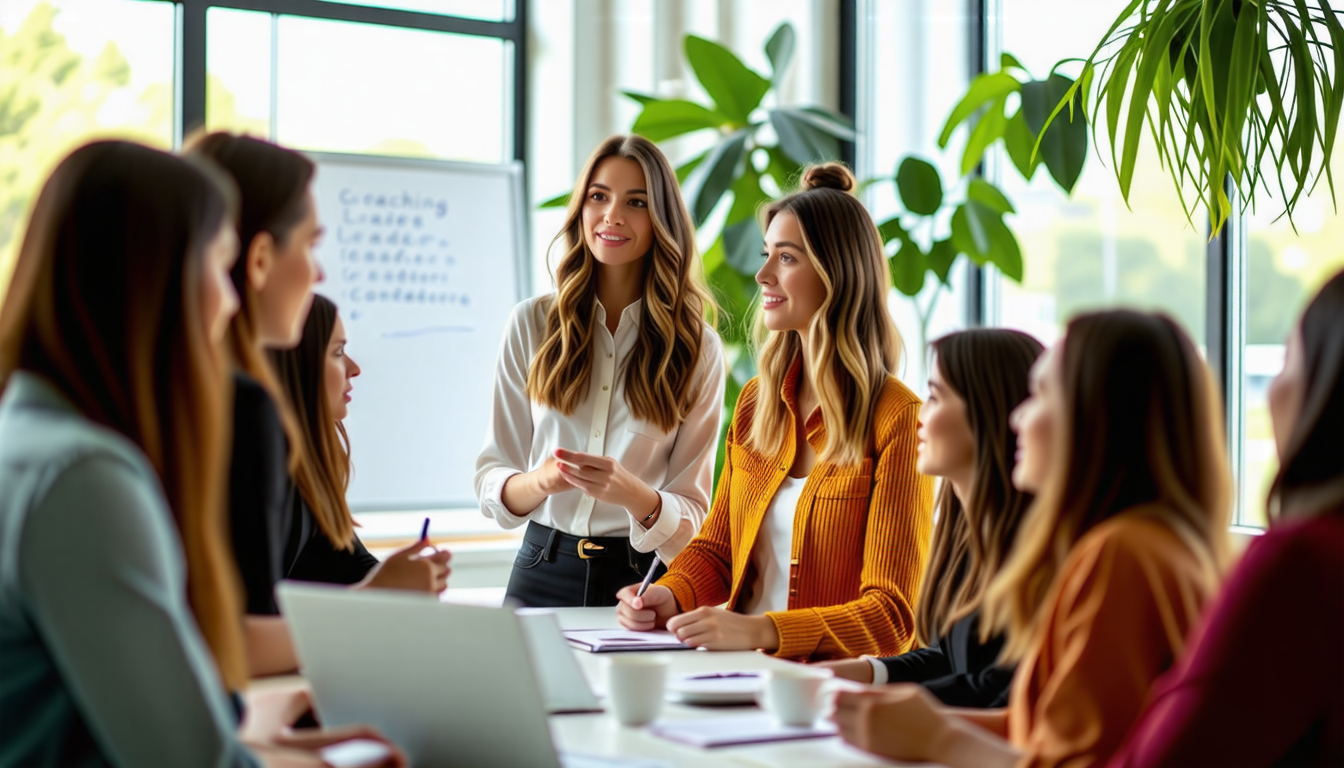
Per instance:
x=599, y=734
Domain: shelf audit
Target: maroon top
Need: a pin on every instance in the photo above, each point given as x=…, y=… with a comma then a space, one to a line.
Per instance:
x=1262, y=681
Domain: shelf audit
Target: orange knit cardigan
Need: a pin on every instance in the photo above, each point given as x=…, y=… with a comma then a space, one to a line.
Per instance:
x=860, y=534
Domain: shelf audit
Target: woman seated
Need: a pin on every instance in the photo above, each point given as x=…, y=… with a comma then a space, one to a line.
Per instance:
x=120, y=621
x=1290, y=581
x=1121, y=441
x=965, y=439
x=820, y=524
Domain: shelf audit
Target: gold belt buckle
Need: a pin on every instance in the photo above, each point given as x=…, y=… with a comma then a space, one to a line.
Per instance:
x=586, y=546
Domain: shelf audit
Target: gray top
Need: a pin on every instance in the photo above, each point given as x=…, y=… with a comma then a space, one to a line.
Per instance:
x=101, y=661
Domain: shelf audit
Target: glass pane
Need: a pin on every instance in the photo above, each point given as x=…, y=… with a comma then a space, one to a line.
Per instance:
x=238, y=71
x=76, y=70
x=487, y=10
x=1284, y=270
x=348, y=87
x=1089, y=250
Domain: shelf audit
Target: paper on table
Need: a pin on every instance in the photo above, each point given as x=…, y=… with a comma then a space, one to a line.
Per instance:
x=754, y=728
x=609, y=640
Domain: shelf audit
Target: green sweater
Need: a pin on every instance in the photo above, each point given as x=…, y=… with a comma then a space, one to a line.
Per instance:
x=101, y=661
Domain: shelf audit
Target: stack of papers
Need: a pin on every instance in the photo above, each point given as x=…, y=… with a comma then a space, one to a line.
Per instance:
x=754, y=728
x=609, y=640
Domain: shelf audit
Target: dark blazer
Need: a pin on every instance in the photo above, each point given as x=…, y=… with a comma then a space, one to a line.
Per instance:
x=958, y=669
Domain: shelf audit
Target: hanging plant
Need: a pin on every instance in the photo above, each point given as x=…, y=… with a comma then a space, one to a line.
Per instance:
x=1220, y=87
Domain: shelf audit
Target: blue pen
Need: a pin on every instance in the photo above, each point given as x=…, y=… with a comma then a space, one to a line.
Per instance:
x=424, y=530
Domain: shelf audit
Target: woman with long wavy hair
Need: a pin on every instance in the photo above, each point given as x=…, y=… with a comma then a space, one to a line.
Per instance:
x=608, y=392
x=820, y=527
x=1290, y=582
x=1121, y=441
x=964, y=438
x=279, y=501
x=120, y=617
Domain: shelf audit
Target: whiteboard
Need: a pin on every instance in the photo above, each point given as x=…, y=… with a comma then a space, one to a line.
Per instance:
x=425, y=259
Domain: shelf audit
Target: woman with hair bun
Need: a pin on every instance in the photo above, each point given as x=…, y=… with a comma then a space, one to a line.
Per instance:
x=820, y=527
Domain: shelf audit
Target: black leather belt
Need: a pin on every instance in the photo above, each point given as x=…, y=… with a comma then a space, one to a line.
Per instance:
x=555, y=542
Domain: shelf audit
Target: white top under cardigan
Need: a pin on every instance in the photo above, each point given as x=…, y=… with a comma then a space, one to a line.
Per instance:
x=774, y=548
x=679, y=465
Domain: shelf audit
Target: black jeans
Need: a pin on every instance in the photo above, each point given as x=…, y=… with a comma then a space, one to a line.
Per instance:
x=549, y=572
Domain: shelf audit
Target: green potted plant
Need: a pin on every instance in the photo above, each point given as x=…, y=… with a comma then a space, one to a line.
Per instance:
x=1219, y=87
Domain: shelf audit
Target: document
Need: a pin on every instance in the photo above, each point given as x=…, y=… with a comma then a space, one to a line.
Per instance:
x=754, y=728
x=615, y=640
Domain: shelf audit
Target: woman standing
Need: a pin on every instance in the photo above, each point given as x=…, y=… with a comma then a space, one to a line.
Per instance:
x=608, y=392
x=820, y=526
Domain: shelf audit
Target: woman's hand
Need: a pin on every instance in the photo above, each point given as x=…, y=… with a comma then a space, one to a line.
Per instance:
x=603, y=478
x=902, y=722
x=648, y=611
x=858, y=670
x=408, y=569
x=305, y=748
x=720, y=630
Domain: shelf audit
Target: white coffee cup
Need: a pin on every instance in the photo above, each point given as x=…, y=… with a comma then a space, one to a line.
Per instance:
x=793, y=694
x=635, y=686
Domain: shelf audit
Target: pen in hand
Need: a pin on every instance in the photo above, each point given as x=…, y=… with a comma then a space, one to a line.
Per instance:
x=648, y=577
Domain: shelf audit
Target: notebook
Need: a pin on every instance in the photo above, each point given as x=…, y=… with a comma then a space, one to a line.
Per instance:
x=753, y=728
x=616, y=640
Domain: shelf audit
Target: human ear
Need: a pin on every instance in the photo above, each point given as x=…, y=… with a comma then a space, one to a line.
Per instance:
x=260, y=258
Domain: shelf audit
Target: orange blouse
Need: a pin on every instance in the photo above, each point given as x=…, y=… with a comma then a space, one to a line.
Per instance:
x=860, y=533
x=1117, y=617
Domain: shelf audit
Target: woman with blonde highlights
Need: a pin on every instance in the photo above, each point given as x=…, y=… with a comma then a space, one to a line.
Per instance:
x=1121, y=440
x=608, y=392
x=820, y=525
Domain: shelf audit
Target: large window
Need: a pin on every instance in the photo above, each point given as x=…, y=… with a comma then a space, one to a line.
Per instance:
x=76, y=70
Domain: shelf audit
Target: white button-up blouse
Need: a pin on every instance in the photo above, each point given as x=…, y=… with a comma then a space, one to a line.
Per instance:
x=679, y=465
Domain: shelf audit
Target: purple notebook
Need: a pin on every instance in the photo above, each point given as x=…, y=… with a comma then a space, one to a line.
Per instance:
x=754, y=728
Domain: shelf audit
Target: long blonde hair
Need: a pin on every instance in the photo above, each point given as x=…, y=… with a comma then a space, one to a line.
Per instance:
x=661, y=369
x=1141, y=425
x=853, y=345
x=106, y=306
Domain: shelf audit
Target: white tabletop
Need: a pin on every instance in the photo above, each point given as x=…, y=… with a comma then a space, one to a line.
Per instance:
x=599, y=734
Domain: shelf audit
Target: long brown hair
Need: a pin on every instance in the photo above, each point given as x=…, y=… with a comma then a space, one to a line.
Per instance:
x=301, y=375
x=662, y=367
x=273, y=183
x=1311, y=476
x=1142, y=425
x=853, y=344
x=105, y=305
x=971, y=542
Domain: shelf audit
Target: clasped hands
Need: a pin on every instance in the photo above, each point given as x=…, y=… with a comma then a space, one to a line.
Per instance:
x=712, y=628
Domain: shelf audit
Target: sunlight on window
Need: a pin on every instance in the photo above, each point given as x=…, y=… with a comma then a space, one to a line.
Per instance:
x=76, y=70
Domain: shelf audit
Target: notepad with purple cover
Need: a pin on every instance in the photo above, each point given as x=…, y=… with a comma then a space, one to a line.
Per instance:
x=728, y=730
x=620, y=640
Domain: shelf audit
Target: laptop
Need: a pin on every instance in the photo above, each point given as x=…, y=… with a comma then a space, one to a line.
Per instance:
x=449, y=684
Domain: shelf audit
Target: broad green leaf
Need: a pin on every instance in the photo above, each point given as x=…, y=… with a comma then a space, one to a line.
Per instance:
x=713, y=176
x=747, y=196
x=801, y=139
x=908, y=266
x=1007, y=60
x=642, y=98
x=662, y=120
x=837, y=125
x=785, y=171
x=1004, y=251
x=920, y=186
x=1063, y=146
x=983, y=90
x=1020, y=141
x=779, y=49
x=979, y=232
x=942, y=255
x=735, y=89
x=988, y=129
x=559, y=201
x=684, y=170
x=968, y=232
x=742, y=246
x=990, y=195
x=891, y=231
